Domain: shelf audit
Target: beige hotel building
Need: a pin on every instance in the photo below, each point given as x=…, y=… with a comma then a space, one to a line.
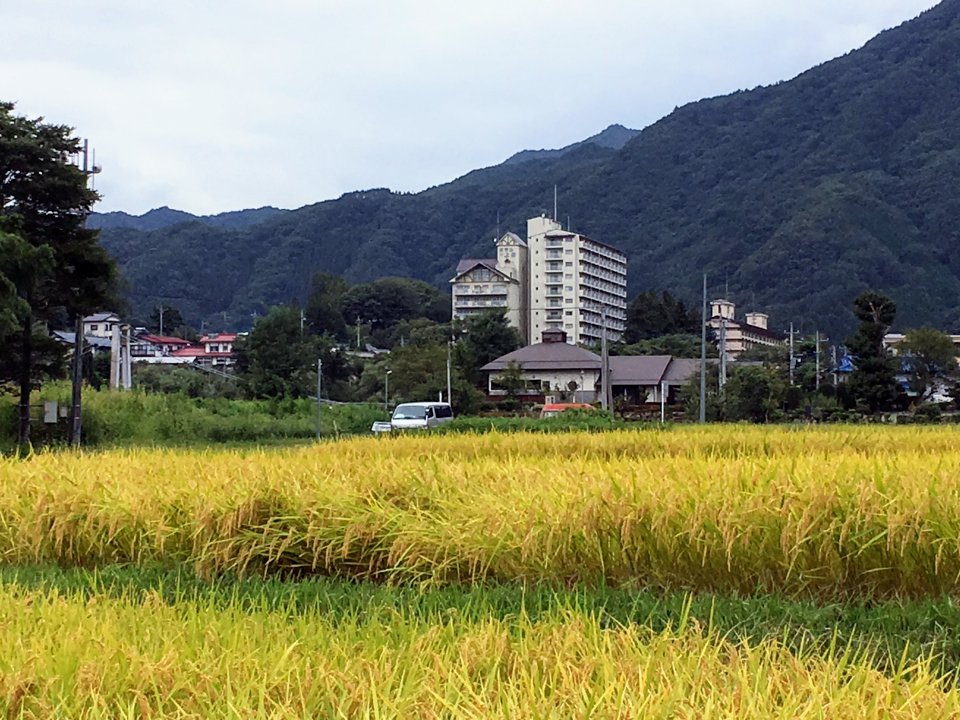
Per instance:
x=554, y=280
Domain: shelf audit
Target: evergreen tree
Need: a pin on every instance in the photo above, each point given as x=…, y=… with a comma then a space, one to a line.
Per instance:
x=47, y=199
x=484, y=337
x=650, y=315
x=172, y=320
x=324, y=306
x=873, y=383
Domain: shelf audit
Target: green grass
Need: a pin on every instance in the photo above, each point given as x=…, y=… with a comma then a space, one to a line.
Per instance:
x=893, y=630
x=149, y=419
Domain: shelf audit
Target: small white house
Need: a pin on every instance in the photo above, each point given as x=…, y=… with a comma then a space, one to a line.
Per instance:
x=101, y=324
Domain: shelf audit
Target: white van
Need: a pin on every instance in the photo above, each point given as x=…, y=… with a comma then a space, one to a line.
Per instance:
x=422, y=415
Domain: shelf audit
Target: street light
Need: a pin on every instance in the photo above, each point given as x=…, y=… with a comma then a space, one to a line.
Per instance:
x=386, y=390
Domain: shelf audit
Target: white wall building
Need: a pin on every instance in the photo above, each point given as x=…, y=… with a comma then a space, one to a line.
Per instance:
x=574, y=282
x=555, y=280
x=737, y=337
x=101, y=324
x=484, y=284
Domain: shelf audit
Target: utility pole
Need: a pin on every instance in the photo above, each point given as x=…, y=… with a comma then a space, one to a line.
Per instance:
x=604, y=363
x=358, y=332
x=319, y=388
x=76, y=409
x=723, y=353
x=663, y=401
x=161, y=319
x=449, y=388
x=301, y=323
x=817, y=356
x=791, y=353
x=703, y=355
x=386, y=390
x=76, y=424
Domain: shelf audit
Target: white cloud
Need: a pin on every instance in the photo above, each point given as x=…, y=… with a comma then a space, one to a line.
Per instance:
x=217, y=106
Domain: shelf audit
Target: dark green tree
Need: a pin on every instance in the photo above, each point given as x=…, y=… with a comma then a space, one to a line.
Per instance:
x=417, y=373
x=930, y=357
x=324, y=307
x=48, y=200
x=652, y=315
x=873, y=383
x=16, y=257
x=678, y=345
x=276, y=361
x=482, y=338
x=172, y=320
x=753, y=393
x=383, y=303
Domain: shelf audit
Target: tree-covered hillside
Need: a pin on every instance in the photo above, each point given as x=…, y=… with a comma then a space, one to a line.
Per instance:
x=798, y=196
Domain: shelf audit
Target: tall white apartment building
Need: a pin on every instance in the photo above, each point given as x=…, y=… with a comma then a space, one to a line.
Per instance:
x=555, y=280
x=574, y=283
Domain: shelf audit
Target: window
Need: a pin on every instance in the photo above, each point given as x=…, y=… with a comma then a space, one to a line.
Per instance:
x=568, y=264
x=93, y=328
x=568, y=251
x=569, y=301
x=569, y=312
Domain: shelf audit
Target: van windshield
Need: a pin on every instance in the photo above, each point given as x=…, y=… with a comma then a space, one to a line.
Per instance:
x=409, y=412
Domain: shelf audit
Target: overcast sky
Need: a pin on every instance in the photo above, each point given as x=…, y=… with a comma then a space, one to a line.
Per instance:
x=210, y=106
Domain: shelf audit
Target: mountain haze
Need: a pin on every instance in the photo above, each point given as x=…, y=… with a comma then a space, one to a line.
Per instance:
x=797, y=196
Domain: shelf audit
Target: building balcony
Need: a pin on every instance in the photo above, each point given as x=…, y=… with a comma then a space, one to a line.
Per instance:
x=478, y=303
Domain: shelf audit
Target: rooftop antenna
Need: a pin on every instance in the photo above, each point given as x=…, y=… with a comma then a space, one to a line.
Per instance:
x=94, y=170
x=554, y=202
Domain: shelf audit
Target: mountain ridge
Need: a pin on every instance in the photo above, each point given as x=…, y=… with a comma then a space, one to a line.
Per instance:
x=798, y=195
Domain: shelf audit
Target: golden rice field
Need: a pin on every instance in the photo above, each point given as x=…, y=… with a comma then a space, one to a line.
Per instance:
x=111, y=657
x=869, y=512
x=834, y=515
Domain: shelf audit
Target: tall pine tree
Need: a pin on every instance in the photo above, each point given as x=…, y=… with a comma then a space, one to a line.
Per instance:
x=873, y=383
x=45, y=199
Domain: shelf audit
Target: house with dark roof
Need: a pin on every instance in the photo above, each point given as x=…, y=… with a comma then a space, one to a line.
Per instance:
x=553, y=366
x=642, y=379
x=548, y=367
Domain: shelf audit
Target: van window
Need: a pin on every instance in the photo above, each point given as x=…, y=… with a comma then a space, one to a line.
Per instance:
x=444, y=411
x=409, y=412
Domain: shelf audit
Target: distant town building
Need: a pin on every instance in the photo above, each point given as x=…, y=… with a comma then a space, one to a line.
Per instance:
x=891, y=343
x=500, y=283
x=736, y=337
x=101, y=324
x=554, y=280
x=149, y=345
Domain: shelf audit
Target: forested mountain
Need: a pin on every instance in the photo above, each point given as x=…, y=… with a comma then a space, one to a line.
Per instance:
x=797, y=196
x=163, y=217
x=614, y=137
